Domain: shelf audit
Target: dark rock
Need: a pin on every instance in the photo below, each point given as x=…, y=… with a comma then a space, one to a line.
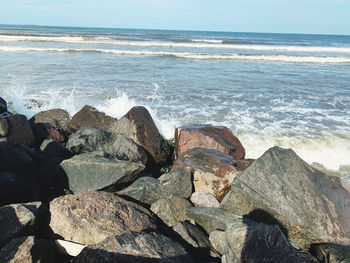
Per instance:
x=4, y=127
x=58, y=118
x=145, y=189
x=89, y=139
x=90, y=116
x=18, y=220
x=28, y=249
x=192, y=234
x=3, y=105
x=135, y=247
x=309, y=206
x=139, y=126
x=207, y=136
x=20, y=130
x=89, y=218
x=241, y=165
x=331, y=253
x=213, y=171
x=88, y=171
x=171, y=209
x=44, y=131
x=177, y=182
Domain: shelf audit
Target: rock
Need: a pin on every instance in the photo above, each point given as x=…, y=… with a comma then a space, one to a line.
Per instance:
x=241, y=165
x=4, y=127
x=89, y=139
x=3, y=105
x=135, y=247
x=248, y=241
x=213, y=171
x=20, y=130
x=331, y=253
x=192, y=234
x=88, y=171
x=310, y=206
x=139, y=126
x=89, y=218
x=171, y=209
x=28, y=249
x=207, y=136
x=90, y=116
x=177, y=182
x=211, y=219
x=204, y=199
x=145, y=189
x=68, y=248
x=18, y=220
x=44, y=131
x=58, y=118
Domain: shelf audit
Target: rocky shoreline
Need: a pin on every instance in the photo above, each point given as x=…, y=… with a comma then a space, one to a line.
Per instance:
x=92, y=188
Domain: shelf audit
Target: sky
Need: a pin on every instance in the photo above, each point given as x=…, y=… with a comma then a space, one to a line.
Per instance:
x=274, y=16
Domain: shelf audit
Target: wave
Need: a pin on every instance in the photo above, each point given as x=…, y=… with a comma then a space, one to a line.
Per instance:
x=207, y=40
x=187, y=55
x=209, y=44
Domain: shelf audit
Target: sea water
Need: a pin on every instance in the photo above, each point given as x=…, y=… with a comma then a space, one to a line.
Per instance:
x=288, y=90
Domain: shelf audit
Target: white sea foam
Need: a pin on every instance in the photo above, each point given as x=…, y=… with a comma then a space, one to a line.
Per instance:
x=206, y=44
x=187, y=55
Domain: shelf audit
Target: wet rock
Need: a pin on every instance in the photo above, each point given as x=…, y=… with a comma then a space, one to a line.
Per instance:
x=310, y=206
x=3, y=105
x=4, y=127
x=204, y=199
x=28, y=249
x=20, y=130
x=331, y=253
x=207, y=136
x=139, y=126
x=213, y=171
x=145, y=189
x=89, y=139
x=18, y=220
x=89, y=171
x=171, y=209
x=135, y=247
x=44, y=131
x=90, y=116
x=89, y=218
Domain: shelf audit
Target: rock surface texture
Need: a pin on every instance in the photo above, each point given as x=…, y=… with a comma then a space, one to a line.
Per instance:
x=207, y=136
x=310, y=206
x=19, y=130
x=331, y=253
x=89, y=218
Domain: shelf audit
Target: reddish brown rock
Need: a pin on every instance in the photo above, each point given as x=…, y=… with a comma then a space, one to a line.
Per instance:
x=58, y=118
x=139, y=126
x=89, y=218
x=213, y=171
x=19, y=130
x=90, y=116
x=207, y=136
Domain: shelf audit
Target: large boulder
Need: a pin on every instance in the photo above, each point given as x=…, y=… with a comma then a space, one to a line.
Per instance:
x=207, y=136
x=89, y=171
x=18, y=220
x=4, y=127
x=177, y=182
x=135, y=247
x=139, y=126
x=213, y=171
x=331, y=253
x=90, y=116
x=28, y=249
x=89, y=139
x=310, y=206
x=3, y=105
x=19, y=130
x=89, y=218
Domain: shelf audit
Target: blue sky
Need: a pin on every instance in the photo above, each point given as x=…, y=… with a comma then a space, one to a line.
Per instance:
x=293, y=16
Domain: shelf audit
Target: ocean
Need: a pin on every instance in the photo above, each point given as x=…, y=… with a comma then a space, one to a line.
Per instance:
x=289, y=90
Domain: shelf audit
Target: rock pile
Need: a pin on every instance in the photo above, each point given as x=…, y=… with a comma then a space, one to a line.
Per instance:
x=97, y=189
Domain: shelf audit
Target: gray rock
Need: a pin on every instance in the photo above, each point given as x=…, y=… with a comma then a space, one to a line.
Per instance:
x=211, y=218
x=4, y=127
x=20, y=130
x=145, y=189
x=135, y=247
x=178, y=182
x=89, y=139
x=247, y=241
x=171, y=209
x=89, y=171
x=204, y=199
x=28, y=249
x=17, y=220
x=331, y=253
x=89, y=218
x=192, y=234
x=310, y=206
